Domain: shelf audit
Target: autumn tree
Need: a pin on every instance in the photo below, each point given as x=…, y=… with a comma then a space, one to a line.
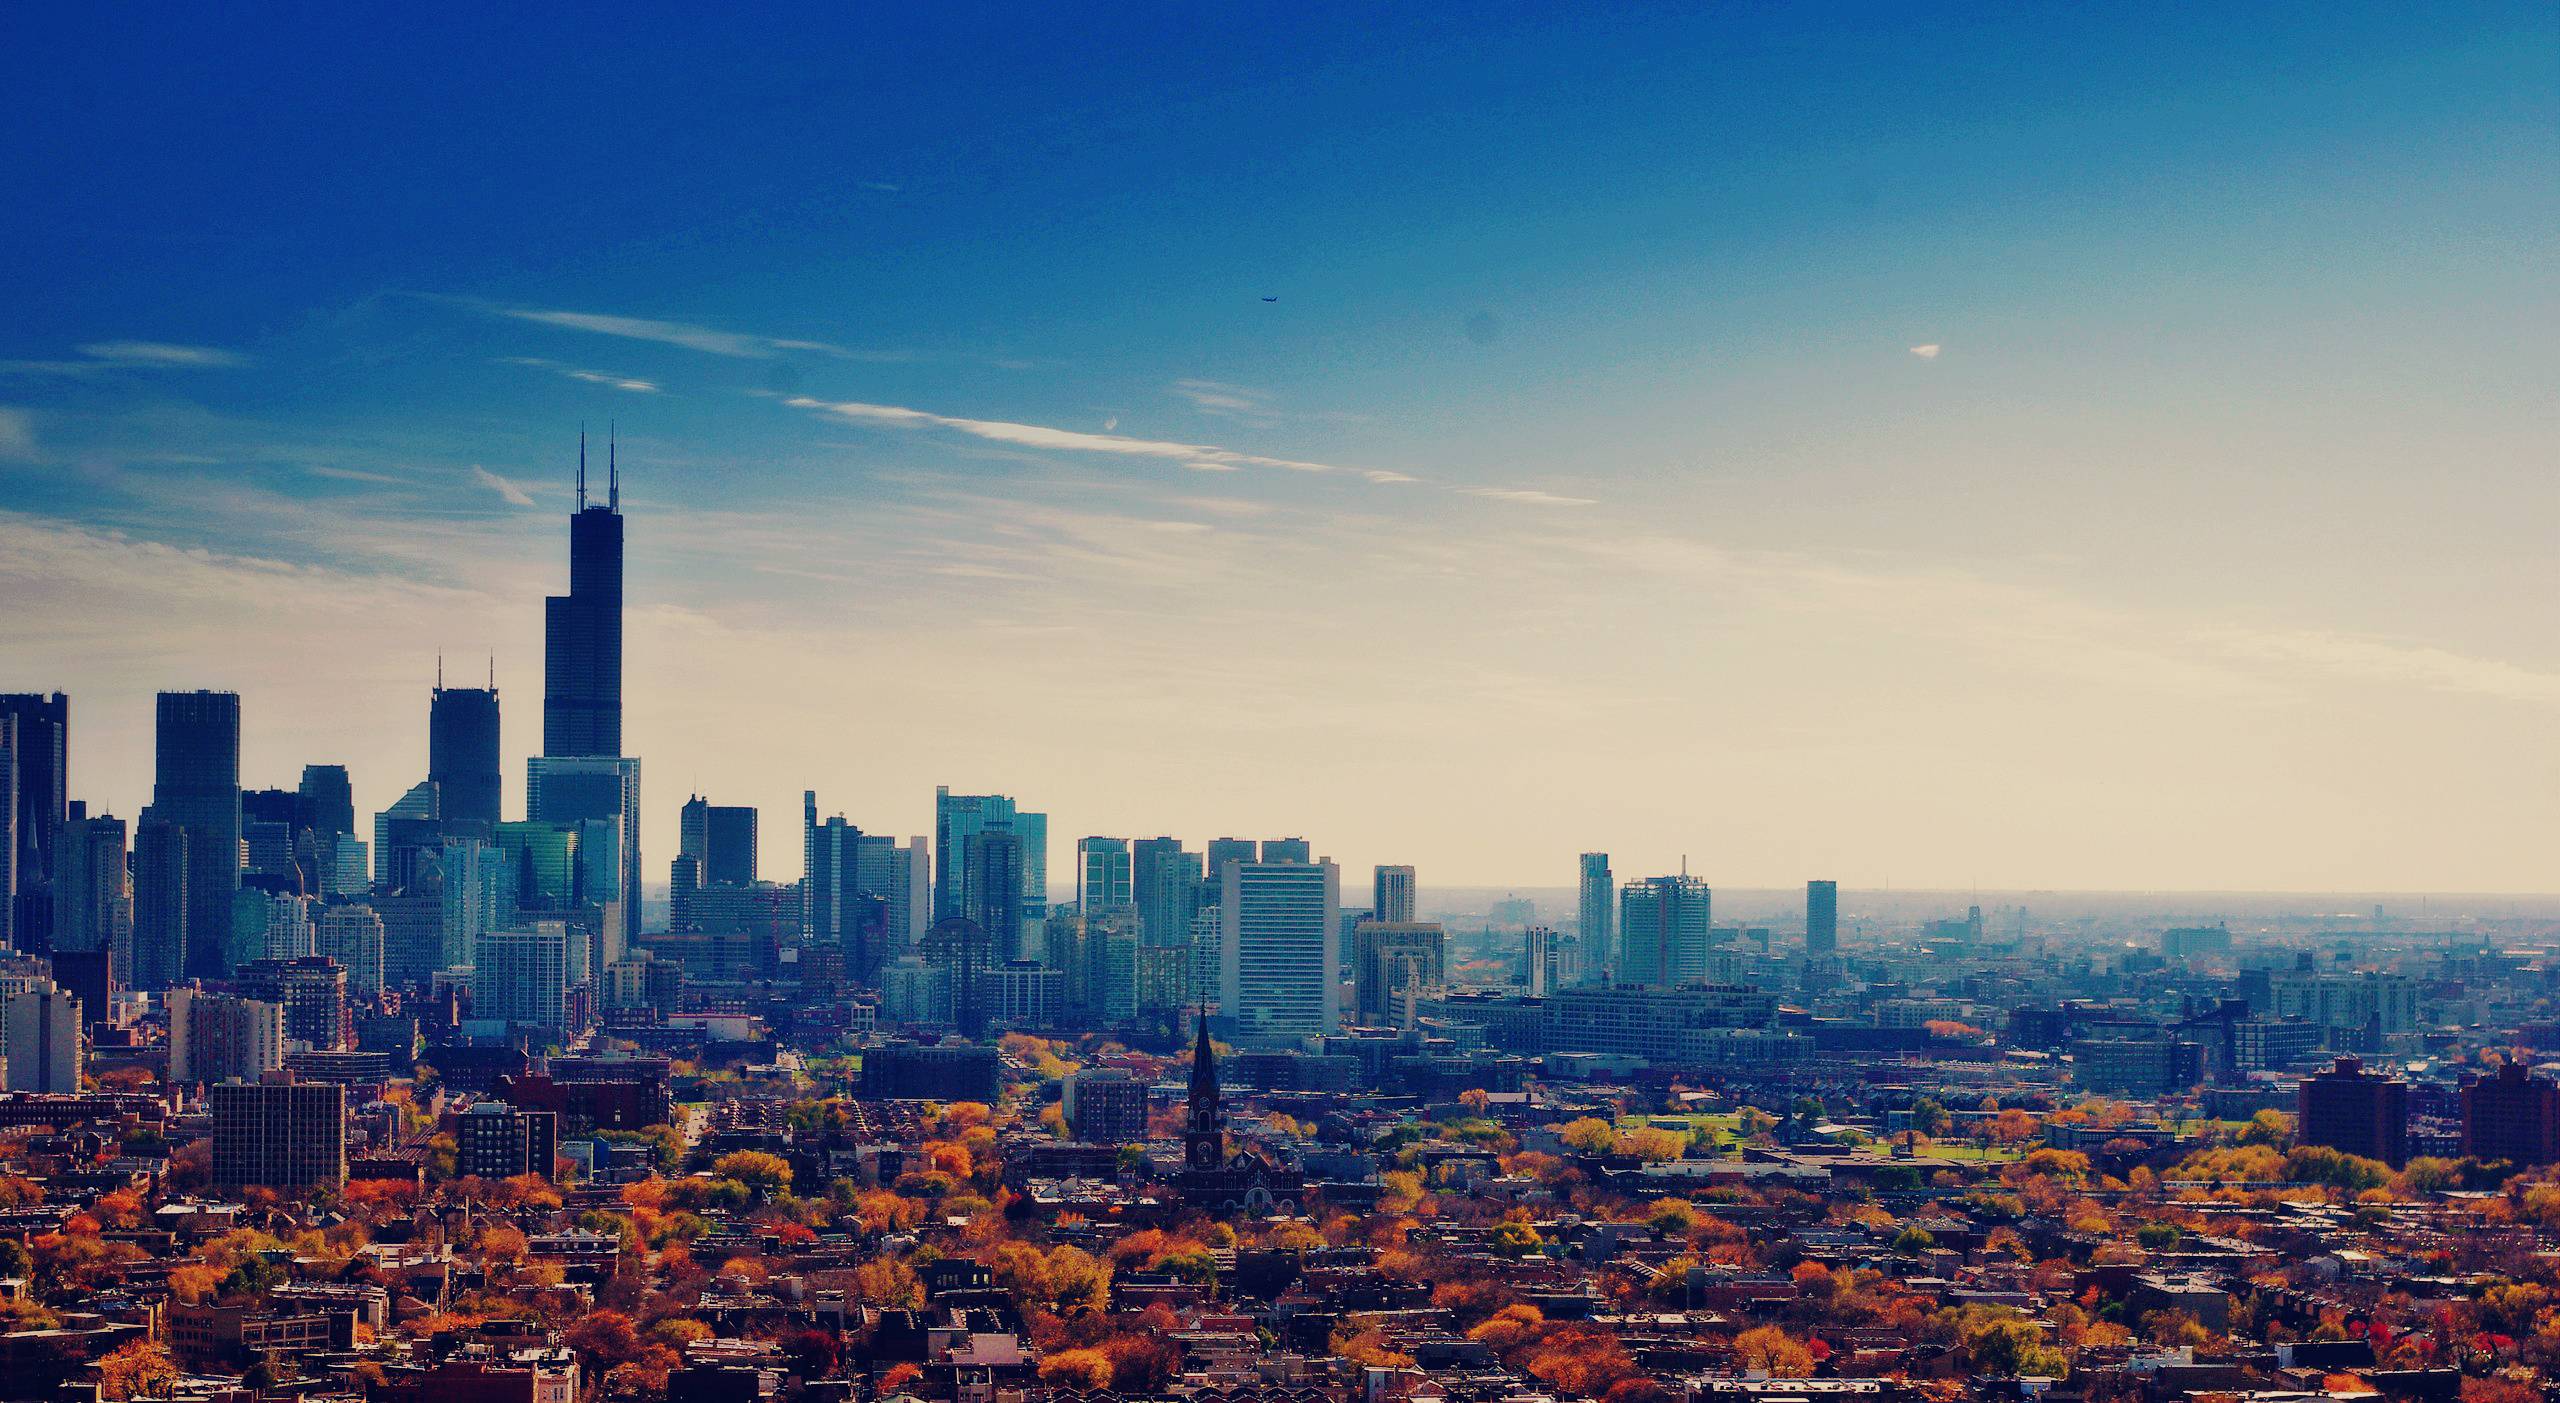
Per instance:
x=142, y=1368
x=763, y=1173
x=1773, y=1351
x=1077, y=1368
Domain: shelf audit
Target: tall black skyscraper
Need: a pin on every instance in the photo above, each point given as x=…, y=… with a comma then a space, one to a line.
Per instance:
x=42, y=760
x=723, y=836
x=328, y=799
x=462, y=740
x=1821, y=920
x=197, y=787
x=992, y=894
x=582, y=630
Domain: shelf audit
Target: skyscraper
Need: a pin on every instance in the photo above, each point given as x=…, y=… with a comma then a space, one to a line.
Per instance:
x=92, y=893
x=1287, y=850
x=414, y=823
x=196, y=785
x=858, y=890
x=601, y=789
x=522, y=976
x=582, y=630
x=992, y=891
x=956, y=818
x=1222, y=851
x=1103, y=878
x=1164, y=881
x=9, y=823
x=1663, y=931
x=328, y=799
x=1279, y=966
x=159, y=903
x=1821, y=920
x=1599, y=909
x=1391, y=895
x=723, y=836
x=462, y=753
x=41, y=758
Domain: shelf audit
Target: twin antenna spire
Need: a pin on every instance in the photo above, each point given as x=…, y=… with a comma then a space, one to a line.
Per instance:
x=613, y=470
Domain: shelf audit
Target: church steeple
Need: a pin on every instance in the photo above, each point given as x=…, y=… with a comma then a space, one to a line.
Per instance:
x=1204, y=1139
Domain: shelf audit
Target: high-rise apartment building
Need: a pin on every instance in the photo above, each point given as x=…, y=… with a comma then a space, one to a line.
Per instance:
x=196, y=785
x=218, y=1037
x=312, y=991
x=2348, y=1108
x=2511, y=1115
x=1105, y=880
x=1391, y=895
x=1105, y=1106
x=582, y=630
x=44, y=1040
x=521, y=976
x=477, y=893
x=1550, y=960
x=279, y=1134
x=1821, y=920
x=40, y=764
x=1279, y=964
x=991, y=887
x=1394, y=960
x=352, y=936
x=1598, y=926
x=962, y=952
x=462, y=754
x=1287, y=850
x=495, y=1141
x=1664, y=931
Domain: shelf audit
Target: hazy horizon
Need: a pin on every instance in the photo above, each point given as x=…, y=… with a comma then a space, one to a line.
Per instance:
x=2105, y=449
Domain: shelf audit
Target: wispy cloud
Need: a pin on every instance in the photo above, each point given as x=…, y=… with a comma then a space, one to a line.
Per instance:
x=514, y=494
x=592, y=377
x=1927, y=352
x=349, y=474
x=2387, y=661
x=709, y=340
x=163, y=353
x=131, y=355
x=1529, y=497
x=1198, y=457
x=17, y=435
x=1228, y=401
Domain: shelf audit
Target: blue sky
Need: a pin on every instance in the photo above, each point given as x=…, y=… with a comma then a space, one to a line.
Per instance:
x=2103, y=446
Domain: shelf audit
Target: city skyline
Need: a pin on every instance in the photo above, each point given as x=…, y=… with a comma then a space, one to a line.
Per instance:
x=2110, y=468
